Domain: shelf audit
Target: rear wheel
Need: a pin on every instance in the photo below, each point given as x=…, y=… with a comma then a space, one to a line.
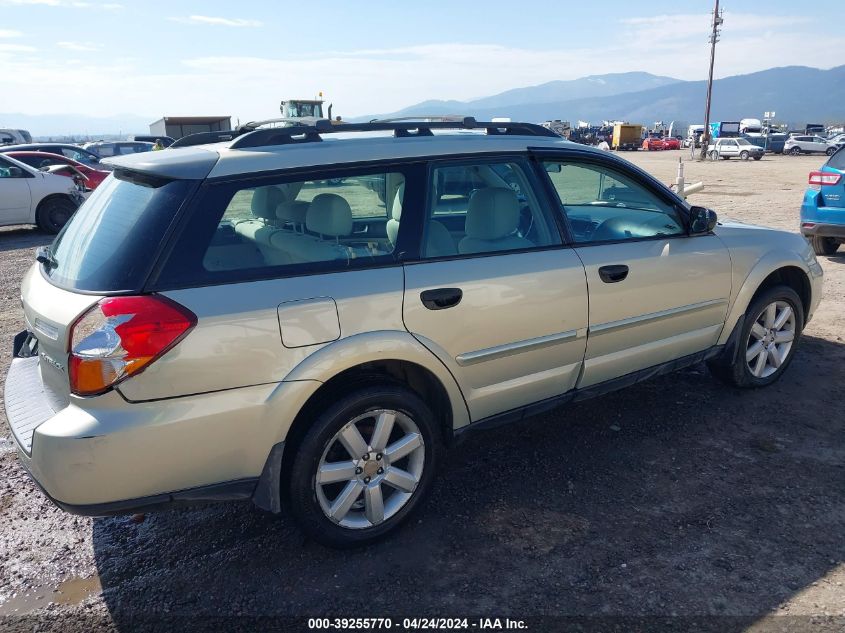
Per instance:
x=54, y=213
x=824, y=245
x=795, y=151
x=770, y=334
x=366, y=463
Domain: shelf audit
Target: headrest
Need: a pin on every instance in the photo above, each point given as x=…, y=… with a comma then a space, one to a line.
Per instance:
x=265, y=200
x=329, y=214
x=292, y=211
x=398, y=199
x=291, y=190
x=493, y=213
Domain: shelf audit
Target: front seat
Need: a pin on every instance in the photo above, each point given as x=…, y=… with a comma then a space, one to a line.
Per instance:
x=492, y=221
x=439, y=242
x=292, y=212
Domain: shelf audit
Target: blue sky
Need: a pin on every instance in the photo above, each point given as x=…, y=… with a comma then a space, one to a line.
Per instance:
x=151, y=57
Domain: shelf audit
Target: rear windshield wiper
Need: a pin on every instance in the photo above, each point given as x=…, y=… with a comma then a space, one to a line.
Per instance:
x=44, y=256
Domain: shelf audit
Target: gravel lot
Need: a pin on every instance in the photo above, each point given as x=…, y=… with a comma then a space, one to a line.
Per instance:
x=678, y=497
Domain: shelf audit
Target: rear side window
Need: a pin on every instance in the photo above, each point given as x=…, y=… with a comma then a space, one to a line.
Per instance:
x=326, y=221
x=111, y=241
x=837, y=161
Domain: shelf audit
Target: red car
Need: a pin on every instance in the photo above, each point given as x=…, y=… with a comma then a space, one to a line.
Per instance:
x=63, y=166
x=653, y=143
x=670, y=142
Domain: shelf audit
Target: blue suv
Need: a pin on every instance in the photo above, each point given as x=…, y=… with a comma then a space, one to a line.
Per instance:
x=823, y=210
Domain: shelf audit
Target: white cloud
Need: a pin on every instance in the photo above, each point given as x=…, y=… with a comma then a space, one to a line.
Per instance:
x=15, y=48
x=73, y=4
x=79, y=46
x=10, y=33
x=373, y=80
x=217, y=21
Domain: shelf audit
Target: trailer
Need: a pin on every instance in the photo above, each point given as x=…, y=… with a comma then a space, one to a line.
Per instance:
x=627, y=136
x=179, y=126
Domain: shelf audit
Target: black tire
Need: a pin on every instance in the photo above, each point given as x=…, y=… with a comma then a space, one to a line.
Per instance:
x=53, y=214
x=737, y=373
x=744, y=155
x=758, y=157
x=824, y=245
x=795, y=151
x=830, y=151
x=302, y=487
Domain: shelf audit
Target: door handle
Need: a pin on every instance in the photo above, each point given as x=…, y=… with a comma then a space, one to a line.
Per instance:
x=612, y=274
x=441, y=298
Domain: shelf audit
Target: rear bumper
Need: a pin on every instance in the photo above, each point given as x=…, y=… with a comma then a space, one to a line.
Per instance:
x=104, y=455
x=824, y=230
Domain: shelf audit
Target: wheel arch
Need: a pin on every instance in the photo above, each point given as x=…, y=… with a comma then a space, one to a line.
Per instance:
x=770, y=271
x=395, y=356
x=36, y=208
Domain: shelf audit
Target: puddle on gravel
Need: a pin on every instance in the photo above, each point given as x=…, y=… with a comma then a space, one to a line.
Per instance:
x=72, y=591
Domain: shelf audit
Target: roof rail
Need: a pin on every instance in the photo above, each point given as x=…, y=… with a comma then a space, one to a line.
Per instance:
x=422, y=117
x=250, y=135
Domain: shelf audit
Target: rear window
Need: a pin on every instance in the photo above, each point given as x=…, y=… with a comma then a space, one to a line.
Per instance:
x=110, y=243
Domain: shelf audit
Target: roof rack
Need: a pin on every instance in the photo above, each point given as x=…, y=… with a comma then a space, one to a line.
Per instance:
x=251, y=135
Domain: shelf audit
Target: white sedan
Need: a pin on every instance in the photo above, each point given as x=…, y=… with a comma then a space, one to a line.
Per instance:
x=30, y=196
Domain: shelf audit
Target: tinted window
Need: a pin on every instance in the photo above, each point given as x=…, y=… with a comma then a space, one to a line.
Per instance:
x=484, y=207
x=325, y=222
x=603, y=204
x=837, y=161
x=110, y=242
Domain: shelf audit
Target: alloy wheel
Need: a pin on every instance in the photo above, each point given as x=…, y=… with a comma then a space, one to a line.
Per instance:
x=770, y=340
x=370, y=469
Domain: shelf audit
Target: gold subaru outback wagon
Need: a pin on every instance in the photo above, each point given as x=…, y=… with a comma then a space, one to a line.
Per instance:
x=307, y=316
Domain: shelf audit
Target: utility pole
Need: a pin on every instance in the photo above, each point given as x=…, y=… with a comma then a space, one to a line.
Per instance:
x=714, y=37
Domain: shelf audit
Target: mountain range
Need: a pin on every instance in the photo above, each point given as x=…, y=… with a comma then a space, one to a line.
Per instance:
x=798, y=94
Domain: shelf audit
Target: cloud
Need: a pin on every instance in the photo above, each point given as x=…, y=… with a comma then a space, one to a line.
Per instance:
x=16, y=48
x=72, y=4
x=79, y=46
x=217, y=21
x=10, y=33
x=378, y=80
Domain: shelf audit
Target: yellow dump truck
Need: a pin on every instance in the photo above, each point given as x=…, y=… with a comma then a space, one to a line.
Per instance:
x=627, y=136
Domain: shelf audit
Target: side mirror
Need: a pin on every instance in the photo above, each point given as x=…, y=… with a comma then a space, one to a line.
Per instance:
x=702, y=220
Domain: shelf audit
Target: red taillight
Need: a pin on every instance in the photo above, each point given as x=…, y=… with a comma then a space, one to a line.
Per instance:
x=120, y=336
x=824, y=178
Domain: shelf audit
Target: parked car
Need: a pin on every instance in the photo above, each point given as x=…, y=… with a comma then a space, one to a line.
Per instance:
x=167, y=141
x=107, y=149
x=809, y=145
x=652, y=143
x=670, y=142
x=31, y=196
x=63, y=149
x=734, y=148
x=63, y=166
x=823, y=209
x=225, y=325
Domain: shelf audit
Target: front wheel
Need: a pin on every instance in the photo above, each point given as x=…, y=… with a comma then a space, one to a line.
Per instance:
x=830, y=151
x=824, y=245
x=767, y=342
x=758, y=157
x=744, y=155
x=54, y=213
x=795, y=151
x=366, y=463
